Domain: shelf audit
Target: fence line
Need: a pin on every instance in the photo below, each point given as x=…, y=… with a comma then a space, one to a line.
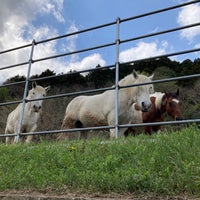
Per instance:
x=116, y=66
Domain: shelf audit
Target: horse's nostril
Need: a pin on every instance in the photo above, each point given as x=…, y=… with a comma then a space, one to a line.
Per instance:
x=143, y=104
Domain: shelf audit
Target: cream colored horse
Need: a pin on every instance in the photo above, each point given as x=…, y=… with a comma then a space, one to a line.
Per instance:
x=32, y=112
x=99, y=110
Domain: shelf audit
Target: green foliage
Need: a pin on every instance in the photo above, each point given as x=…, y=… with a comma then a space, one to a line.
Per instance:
x=4, y=94
x=17, y=78
x=101, y=76
x=165, y=164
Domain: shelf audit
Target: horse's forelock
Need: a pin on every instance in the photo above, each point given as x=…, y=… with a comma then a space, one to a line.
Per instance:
x=38, y=90
x=175, y=100
x=159, y=99
x=129, y=79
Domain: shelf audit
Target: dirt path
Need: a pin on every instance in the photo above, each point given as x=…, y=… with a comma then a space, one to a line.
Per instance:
x=70, y=196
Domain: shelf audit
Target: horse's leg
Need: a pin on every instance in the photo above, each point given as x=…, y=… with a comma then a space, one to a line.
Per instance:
x=8, y=139
x=83, y=135
x=30, y=137
x=121, y=132
x=130, y=131
x=112, y=133
x=148, y=130
x=16, y=138
x=156, y=128
x=67, y=123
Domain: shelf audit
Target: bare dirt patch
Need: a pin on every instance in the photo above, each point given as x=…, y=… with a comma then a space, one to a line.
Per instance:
x=31, y=195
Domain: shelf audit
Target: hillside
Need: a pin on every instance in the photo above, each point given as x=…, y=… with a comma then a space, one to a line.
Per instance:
x=53, y=109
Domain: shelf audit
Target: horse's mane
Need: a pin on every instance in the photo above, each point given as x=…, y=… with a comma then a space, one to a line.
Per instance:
x=158, y=99
x=129, y=79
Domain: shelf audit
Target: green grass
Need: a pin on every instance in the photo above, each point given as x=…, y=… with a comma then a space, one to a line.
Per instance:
x=167, y=164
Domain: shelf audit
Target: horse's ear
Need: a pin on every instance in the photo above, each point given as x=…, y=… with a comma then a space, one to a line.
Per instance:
x=151, y=77
x=177, y=92
x=47, y=88
x=135, y=75
x=34, y=84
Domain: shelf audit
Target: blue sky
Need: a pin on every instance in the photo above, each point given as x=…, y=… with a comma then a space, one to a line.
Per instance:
x=21, y=21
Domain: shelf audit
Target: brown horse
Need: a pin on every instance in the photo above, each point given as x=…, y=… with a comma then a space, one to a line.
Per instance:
x=162, y=104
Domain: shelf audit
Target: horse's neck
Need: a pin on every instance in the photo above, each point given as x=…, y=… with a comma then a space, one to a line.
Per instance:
x=128, y=80
x=129, y=92
x=28, y=110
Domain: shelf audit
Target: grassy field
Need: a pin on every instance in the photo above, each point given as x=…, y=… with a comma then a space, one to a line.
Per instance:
x=163, y=164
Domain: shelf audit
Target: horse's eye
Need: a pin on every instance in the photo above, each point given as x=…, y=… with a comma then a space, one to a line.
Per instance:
x=33, y=93
x=170, y=103
x=151, y=90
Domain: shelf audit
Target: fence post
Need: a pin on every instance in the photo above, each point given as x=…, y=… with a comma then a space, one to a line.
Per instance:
x=25, y=93
x=117, y=76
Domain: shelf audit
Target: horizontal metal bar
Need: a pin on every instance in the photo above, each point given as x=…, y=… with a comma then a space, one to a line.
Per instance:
x=11, y=84
x=16, y=65
x=8, y=135
x=105, y=89
x=160, y=32
x=77, y=32
x=161, y=56
x=74, y=52
x=162, y=80
x=73, y=94
x=16, y=48
x=159, y=11
x=69, y=130
x=101, y=26
x=103, y=46
x=160, y=123
x=11, y=102
x=106, y=127
x=114, y=43
x=71, y=73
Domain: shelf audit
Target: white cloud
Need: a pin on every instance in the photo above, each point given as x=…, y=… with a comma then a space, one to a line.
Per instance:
x=54, y=7
x=196, y=47
x=189, y=15
x=87, y=63
x=143, y=50
x=17, y=28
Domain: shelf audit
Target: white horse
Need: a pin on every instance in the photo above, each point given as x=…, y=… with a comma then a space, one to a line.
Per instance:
x=99, y=110
x=32, y=112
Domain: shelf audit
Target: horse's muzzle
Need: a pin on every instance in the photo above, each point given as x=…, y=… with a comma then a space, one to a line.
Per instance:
x=145, y=107
x=36, y=108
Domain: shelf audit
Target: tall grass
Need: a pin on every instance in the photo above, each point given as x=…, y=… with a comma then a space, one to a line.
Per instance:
x=167, y=163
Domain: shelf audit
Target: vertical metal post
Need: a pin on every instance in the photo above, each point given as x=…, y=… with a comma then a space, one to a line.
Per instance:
x=117, y=76
x=25, y=92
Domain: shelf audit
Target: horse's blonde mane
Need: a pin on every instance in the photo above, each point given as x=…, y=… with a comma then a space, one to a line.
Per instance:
x=159, y=97
x=129, y=79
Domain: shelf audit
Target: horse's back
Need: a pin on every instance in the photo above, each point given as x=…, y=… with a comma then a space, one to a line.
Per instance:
x=85, y=110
